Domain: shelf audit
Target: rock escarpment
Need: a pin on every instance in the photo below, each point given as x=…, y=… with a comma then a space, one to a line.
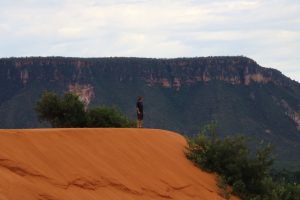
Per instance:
x=169, y=73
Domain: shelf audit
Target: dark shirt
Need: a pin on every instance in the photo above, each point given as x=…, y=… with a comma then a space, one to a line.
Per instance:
x=139, y=105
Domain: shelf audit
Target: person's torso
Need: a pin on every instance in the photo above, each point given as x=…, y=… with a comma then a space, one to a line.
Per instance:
x=139, y=105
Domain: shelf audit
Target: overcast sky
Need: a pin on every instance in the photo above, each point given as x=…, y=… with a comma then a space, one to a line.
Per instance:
x=267, y=31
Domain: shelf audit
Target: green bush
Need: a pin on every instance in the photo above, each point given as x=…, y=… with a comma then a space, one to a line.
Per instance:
x=247, y=173
x=107, y=117
x=68, y=111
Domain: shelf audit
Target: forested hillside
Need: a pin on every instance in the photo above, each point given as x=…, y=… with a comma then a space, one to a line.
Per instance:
x=182, y=94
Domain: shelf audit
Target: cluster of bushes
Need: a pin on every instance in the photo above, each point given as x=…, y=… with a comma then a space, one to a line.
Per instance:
x=286, y=176
x=246, y=172
x=68, y=111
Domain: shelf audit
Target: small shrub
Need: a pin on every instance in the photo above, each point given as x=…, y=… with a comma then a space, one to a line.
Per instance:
x=107, y=117
x=239, y=187
x=222, y=184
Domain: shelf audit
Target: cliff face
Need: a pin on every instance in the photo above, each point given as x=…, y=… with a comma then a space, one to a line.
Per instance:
x=182, y=94
x=168, y=73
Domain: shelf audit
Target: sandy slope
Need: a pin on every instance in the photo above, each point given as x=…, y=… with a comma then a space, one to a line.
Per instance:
x=108, y=164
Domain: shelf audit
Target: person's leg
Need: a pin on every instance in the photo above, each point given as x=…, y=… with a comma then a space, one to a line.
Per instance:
x=141, y=124
x=138, y=123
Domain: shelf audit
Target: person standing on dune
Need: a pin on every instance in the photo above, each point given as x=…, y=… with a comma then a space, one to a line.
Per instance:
x=139, y=111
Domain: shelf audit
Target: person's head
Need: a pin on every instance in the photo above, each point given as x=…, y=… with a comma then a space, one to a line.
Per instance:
x=140, y=98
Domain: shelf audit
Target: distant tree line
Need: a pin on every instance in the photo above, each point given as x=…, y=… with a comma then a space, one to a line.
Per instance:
x=249, y=175
x=68, y=111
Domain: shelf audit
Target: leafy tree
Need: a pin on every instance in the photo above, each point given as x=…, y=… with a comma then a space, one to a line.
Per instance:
x=66, y=111
x=49, y=108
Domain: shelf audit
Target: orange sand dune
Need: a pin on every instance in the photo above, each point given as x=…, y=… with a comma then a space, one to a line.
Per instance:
x=99, y=164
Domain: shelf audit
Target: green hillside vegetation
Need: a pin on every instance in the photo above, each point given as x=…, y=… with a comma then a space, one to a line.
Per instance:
x=248, y=174
x=69, y=112
x=197, y=91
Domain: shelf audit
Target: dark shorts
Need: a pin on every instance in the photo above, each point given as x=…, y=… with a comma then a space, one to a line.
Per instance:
x=140, y=116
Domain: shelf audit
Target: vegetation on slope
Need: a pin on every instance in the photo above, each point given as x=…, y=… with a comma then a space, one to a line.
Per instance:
x=248, y=174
